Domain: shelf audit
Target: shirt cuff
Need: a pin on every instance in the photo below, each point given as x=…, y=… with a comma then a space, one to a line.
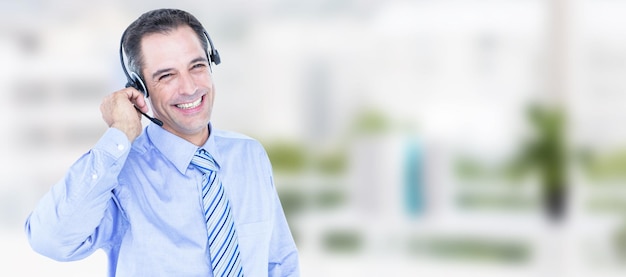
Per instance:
x=114, y=142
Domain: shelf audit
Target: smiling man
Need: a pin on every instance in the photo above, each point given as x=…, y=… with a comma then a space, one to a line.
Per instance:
x=173, y=199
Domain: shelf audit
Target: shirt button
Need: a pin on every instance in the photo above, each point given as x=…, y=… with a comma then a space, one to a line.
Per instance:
x=120, y=147
x=94, y=176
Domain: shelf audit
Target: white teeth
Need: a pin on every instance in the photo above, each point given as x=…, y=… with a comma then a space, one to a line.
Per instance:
x=190, y=105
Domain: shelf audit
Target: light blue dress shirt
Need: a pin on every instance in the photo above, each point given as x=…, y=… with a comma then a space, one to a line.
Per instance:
x=142, y=206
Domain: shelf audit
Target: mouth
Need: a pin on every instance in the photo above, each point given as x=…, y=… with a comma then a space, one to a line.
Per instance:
x=190, y=105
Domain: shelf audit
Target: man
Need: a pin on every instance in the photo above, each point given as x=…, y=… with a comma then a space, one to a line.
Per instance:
x=143, y=196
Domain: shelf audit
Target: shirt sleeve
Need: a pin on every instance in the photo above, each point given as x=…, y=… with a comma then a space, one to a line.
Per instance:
x=283, y=256
x=79, y=215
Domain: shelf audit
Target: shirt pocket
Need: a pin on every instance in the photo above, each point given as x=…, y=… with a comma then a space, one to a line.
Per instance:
x=254, y=229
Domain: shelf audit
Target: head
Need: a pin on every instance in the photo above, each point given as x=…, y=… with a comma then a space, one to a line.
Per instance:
x=167, y=50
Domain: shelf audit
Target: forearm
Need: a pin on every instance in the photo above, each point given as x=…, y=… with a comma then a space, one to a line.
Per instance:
x=64, y=224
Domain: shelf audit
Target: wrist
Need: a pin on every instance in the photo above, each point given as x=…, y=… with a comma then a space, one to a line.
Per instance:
x=131, y=132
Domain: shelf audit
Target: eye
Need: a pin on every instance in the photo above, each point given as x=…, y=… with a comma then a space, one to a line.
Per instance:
x=164, y=76
x=198, y=66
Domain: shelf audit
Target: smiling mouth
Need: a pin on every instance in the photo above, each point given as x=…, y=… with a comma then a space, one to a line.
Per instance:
x=194, y=104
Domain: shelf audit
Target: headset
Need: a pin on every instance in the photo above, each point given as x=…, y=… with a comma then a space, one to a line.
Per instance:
x=134, y=80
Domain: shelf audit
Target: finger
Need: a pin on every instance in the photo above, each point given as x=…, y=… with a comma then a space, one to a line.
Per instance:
x=137, y=99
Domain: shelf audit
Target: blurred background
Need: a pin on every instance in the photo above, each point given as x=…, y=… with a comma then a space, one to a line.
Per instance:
x=408, y=138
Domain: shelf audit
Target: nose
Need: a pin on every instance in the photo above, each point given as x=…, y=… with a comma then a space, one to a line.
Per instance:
x=187, y=84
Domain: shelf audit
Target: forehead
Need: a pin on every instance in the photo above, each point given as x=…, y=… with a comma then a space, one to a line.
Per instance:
x=180, y=43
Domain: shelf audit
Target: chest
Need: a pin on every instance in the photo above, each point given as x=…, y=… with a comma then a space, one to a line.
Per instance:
x=172, y=201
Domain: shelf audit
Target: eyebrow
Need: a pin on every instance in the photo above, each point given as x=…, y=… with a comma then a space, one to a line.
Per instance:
x=161, y=71
x=199, y=59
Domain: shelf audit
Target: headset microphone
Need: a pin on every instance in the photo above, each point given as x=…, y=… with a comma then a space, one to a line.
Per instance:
x=154, y=120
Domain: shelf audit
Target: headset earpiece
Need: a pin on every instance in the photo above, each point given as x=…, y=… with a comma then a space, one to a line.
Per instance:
x=212, y=54
x=136, y=82
x=215, y=57
x=132, y=78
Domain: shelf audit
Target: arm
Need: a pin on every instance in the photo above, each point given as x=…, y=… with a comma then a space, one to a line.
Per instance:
x=283, y=256
x=78, y=215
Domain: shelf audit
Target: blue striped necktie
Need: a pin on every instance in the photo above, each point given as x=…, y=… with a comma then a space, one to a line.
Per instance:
x=223, y=244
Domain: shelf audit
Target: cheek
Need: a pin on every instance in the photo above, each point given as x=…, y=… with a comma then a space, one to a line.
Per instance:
x=158, y=102
x=206, y=82
x=210, y=93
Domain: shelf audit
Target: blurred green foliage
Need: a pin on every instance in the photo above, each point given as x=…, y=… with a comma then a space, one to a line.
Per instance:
x=471, y=248
x=510, y=201
x=290, y=158
x=286, y=156
x=610, y=204
x=295, y=157
x=294, y=200
x=543, y=155
x=471, y=169
x=342, y=241
x=371, y=121
x=618, y=239
x=545, y=152
x=331, y=163
x=604, y=166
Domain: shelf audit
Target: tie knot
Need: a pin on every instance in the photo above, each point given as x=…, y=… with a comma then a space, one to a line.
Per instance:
x=204, y=161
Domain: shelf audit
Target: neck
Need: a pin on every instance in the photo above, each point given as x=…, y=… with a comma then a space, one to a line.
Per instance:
x=200, y=138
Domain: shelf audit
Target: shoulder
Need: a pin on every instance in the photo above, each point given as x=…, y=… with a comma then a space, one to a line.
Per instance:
x=230, y=138
x=233, y=144
x=230, y=135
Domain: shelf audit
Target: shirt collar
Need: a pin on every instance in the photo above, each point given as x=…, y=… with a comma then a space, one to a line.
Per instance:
x=177, y=150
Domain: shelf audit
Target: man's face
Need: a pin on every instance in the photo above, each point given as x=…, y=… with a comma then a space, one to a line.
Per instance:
x=177, y=75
